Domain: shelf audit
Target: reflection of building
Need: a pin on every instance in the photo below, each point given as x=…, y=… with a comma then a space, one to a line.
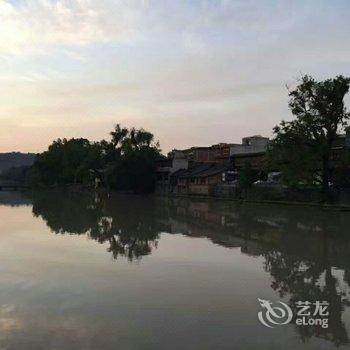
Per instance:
x=252, y=150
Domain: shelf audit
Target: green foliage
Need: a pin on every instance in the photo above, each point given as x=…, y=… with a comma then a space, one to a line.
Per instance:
x=247, y=176
x=68, y=161
x=134, y=166
x=290, y=153
x=127, y=162
x=341, y=176
x=17, y=174
x=301, y=148
x=15, y=159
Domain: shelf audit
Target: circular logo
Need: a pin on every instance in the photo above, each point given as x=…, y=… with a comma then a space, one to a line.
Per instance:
x=274, y=315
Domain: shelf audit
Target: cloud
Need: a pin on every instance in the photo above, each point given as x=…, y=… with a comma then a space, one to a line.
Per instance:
x=178, y=68
x=31, y=26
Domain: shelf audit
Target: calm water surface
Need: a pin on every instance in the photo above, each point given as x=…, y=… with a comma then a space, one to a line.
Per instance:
x=87, y=272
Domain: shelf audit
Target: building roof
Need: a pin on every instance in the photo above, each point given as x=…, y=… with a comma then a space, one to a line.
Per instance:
x=202, y=170
x=248, y=154
x=179, y=173
x=214, y=170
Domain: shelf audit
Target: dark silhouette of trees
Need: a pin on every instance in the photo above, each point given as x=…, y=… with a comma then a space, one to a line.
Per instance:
x=302, y=147
x=67, y=162
x=132, y=160
x=16, y=159
x=127, y=162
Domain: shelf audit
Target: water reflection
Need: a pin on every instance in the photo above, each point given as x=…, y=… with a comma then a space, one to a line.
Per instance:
x=305, y=250
x=128, y=226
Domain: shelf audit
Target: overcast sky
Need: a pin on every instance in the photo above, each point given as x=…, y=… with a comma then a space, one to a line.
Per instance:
x=192, y=72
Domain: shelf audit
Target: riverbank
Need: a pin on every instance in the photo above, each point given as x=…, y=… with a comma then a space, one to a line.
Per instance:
x=323, y=205
x=282, y=196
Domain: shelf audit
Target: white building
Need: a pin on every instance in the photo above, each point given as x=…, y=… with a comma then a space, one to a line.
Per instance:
x=250, y=145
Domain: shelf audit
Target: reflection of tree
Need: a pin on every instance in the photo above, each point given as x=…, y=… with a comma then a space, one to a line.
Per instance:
x=126, y=226
x=300, y=247
x=311, y=280
x=306, y=251
x=129, y=227
x=67, y=213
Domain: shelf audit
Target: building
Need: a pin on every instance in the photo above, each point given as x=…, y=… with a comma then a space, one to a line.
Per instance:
x=340, y=150
x=198, y=154
x=252, y=150
x=198, y=170
x=200, y=179
x=218, y=153
x=222, y=152
x=166, y=167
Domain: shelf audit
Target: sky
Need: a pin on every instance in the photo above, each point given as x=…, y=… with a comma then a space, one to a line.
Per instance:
x=193, y=72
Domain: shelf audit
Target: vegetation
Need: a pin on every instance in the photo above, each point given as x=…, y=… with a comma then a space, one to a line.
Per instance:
x=15, y=159
x=302, y=148
x=19, y=174
x=127, y=162
x=130, y=160
x=247, y=176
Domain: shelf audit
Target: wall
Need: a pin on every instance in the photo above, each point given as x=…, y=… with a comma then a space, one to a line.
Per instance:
x=221, y=152
x=277, y=193
x=258, y=162
x=198, y=189
x=267, y=193
x=250, y=145
x=179, y=163
x=207, y=188
x=203, y=155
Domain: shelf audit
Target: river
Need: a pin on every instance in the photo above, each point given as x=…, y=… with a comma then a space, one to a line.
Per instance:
x=82, y=271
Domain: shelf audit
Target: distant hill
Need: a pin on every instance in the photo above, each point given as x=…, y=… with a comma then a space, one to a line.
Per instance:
x=15, y=159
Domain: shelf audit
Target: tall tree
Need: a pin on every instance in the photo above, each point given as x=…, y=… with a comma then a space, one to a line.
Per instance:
x=302, y=147
x=133, y=166
x=127, y=162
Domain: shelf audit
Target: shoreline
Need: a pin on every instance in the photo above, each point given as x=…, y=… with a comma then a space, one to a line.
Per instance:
x=326, y=206
x=84, y=189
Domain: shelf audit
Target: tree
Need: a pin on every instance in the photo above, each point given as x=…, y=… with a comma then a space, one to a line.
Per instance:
x=247, y=176
x=132, y=167
x=125, y=140
x=127, y=162
x=68, y=161
x=302, y=147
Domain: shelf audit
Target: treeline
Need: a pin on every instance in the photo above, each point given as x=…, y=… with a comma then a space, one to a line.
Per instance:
x=15, y=159
x=309, y=149
x=127, y=162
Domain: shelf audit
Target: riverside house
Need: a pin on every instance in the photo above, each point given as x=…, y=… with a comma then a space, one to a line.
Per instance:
x=218, y=153
x=252, y=150
x=198, y=170
x=200, y=179
x=166, y=167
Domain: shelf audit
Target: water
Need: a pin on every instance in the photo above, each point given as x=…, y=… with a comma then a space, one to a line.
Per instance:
x=86, y=272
